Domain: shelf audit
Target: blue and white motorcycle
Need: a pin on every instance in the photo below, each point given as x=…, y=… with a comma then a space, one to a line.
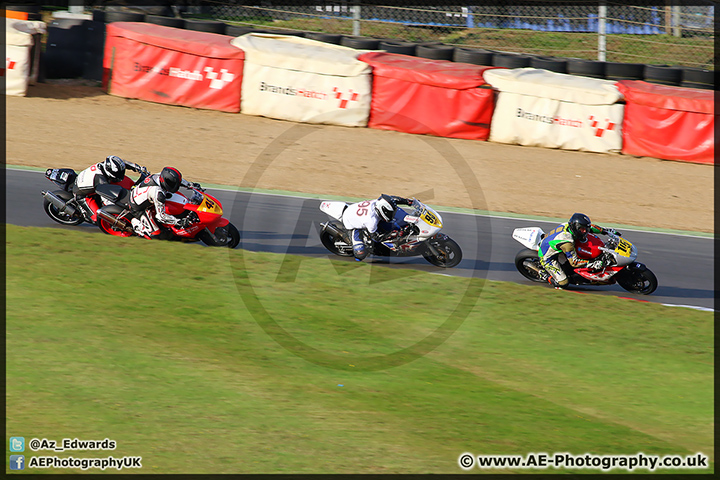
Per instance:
x=420, y=235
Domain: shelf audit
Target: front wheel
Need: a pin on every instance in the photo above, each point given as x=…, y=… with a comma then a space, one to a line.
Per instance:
x=449, y=254
x=227, y=236
x=643, y=282
x=527, y=263
x=62, y=218
x=233, y=236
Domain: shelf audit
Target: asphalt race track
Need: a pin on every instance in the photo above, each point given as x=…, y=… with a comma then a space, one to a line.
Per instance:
x=275, y=223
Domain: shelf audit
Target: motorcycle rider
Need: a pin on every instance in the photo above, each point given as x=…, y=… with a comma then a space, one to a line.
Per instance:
x=151, y=195
x=110, y=170
x=363, y=218
x=562, y=240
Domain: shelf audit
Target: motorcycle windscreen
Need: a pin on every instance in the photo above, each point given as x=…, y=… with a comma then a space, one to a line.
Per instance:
x=175, y=204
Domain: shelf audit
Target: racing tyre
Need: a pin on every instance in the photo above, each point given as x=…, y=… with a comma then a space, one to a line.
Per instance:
x=402, y=48
x=292, y=33
x=117, y=16
x=240, y=30
x=549, y=63
x=98, y=15
x=643, y=282
x=328, y=241
x=363, y=43
x=334, y=38
x=108, y=228
x=663, y=74
x=229, y=237
x=624, y=71
x=527, y=263
x=435, y=52
x=450, y=254
x=586, y=68
x=209, y=26
x=509, y=60
x=698, y=78
x=165, y=21
x=62, y=218
x=67, y=33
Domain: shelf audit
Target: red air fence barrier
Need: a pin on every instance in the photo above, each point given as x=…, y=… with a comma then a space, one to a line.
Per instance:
x=435, y=97
x=172, y=66
x=667, y=122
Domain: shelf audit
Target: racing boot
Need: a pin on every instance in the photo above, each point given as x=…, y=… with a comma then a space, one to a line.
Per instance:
x=140, y=229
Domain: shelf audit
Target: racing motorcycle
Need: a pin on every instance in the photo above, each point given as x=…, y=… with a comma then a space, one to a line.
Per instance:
x=420, y=236
x=62, y=206
x=617, y=255
x=206, y=222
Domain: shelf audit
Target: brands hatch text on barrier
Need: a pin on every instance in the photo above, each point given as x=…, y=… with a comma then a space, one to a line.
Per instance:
x=568, y=122
x=337, y=94
x=217, y=79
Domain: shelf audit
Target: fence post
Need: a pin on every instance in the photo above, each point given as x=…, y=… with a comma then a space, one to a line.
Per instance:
x=602, y=15
x=356, y=18
x=676, y=29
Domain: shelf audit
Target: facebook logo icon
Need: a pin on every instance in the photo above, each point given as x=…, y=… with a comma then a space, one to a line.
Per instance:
x=17, y=462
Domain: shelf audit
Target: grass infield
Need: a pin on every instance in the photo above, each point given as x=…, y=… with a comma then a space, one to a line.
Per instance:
x=151, y=345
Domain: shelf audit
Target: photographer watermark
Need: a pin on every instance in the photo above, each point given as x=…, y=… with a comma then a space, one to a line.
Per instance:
x=586, y=461
x=306, y=223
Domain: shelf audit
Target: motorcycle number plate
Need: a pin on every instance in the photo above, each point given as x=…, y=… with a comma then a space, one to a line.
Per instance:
x=210, y=206
x=624, y=248
x=431, y=218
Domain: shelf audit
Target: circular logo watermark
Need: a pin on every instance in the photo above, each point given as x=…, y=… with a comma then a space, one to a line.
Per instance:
x=473, y=267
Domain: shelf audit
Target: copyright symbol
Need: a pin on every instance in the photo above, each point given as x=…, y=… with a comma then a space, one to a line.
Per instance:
x=466, y=461
x=34, y=444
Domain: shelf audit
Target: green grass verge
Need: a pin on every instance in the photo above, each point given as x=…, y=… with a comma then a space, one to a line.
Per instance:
x=149, y=344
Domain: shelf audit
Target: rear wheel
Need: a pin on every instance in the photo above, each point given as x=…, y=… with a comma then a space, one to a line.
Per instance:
x=120, y=229
x=527, y=263
x=643, y=282
x=62, y=218
x=449, y=254
x=335, y=245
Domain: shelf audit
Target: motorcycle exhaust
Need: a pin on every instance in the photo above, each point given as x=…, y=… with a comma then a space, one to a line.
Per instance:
x=116, y=222
x=59, y=203
x=336, y=231
x=533, y=267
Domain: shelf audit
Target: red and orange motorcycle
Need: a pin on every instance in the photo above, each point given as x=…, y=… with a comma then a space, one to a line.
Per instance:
x=205, y=213
x=112, y=214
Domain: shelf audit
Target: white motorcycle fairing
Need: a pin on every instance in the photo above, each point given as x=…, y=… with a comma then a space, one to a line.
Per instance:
x=530, y=237
x=334, y=209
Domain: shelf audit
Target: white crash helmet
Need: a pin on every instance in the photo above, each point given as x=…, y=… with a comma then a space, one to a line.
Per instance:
x=385, y=208
x=114, y=168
